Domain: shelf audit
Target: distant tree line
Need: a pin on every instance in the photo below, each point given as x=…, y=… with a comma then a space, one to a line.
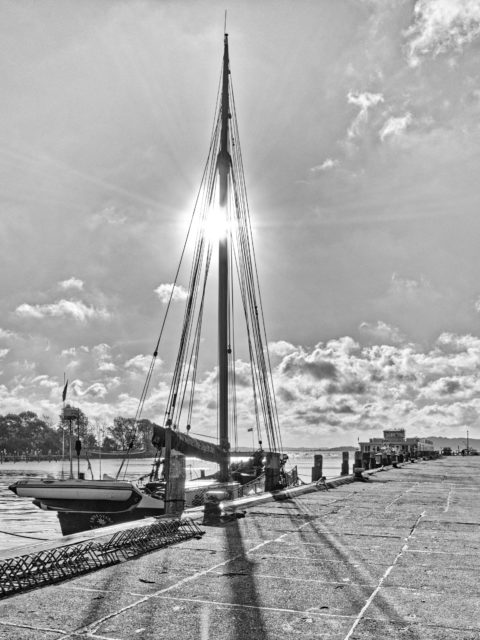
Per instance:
x=27, y=433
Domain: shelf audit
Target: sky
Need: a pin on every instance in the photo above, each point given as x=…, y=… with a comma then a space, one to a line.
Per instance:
x=360, y=132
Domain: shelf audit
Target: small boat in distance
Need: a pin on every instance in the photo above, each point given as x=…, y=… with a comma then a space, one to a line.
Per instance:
x=222, y=203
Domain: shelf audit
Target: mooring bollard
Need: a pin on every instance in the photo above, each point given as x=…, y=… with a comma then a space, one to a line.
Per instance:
x=212, y=511
x=366, y=460
x=358, y=468
x=272, y=471
x=344, y=471
x=357, y=460
x=175, y=494
x=317, y=469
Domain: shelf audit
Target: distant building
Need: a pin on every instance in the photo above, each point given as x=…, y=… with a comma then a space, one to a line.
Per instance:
x=394, y=441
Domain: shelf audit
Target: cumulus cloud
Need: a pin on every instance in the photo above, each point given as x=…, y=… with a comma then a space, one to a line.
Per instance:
x=364, y=101
x=6, y=334
x=139, y=363
x=382, y=333
x=327, y=164
x=286, y=395
x=75, y=309
x=323, y=371
x=72, y=351
x=440, y=26
x=281, y=348
x=102, y=350
x=102, y=354
x=164, y=291
x=3, y=352
x=96, y=390
x=46, y=381
x=325, y=394
x=451, y=343
x=106, y=366
x=394, y=127
x=71, y=283
x=309, y=364
x=367, y=388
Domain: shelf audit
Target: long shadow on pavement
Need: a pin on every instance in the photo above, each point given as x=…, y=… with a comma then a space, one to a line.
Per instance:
x=346, y=558
x=243, y=587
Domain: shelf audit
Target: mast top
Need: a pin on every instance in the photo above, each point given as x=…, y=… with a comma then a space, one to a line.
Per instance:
x=223, y=155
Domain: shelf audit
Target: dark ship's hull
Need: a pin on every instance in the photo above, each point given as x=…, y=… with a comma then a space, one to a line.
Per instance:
x=76, y=522
x=89, y=504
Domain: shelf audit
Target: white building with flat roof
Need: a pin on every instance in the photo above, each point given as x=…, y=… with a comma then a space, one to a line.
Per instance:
x=394, y=441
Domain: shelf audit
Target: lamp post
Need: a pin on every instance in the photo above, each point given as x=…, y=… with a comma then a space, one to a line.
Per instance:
x=70, y=414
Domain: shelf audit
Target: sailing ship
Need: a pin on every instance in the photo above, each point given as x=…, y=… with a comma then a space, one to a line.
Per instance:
x=82, y=503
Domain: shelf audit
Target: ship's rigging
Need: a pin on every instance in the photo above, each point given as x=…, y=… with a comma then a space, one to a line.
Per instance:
x=222, y=203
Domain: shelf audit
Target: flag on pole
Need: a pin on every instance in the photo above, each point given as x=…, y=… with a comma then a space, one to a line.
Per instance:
x=250, y=429
x=64, y=394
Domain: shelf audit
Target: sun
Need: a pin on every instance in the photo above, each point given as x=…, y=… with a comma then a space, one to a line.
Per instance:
x=216, y=225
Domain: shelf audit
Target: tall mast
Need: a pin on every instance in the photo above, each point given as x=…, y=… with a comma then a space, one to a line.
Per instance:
x=224, y=164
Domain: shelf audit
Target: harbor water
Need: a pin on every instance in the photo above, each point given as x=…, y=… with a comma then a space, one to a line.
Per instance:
x=21, y=522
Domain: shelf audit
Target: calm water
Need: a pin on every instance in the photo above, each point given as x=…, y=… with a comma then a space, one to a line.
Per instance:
x=21, y=522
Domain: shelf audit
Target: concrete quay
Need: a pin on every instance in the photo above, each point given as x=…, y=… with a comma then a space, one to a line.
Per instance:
x=394, y=557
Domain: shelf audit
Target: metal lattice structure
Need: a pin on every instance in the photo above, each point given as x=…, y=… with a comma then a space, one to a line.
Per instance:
x=62, y=563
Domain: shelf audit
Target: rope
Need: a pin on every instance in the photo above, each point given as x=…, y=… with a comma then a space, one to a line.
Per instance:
x=250, y=289
x=19, y=535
